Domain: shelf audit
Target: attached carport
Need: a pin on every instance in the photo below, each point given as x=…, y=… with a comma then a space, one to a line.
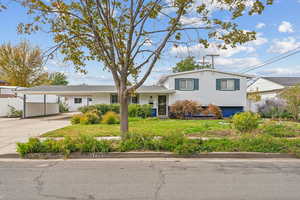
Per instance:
x=49, y=99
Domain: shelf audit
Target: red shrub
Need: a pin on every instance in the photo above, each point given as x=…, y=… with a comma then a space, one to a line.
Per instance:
x=186, y=107
x=215, y=110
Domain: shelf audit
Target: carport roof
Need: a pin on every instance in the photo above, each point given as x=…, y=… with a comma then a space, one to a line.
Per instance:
x=88, y=89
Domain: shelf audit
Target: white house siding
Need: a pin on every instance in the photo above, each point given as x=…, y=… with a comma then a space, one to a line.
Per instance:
x=207, y=93
x=104, y=98
x=264, y=85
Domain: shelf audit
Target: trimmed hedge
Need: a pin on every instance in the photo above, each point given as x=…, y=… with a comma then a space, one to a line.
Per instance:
x=134, y=110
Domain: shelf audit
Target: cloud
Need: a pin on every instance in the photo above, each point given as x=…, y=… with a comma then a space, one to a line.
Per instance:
x=281, y=71
x=260, y=25
x=192, y=21
x=234, y=63
x=285, y=27
x=283, y=45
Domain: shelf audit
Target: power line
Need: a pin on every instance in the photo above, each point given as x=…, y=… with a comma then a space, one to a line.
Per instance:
x=273, y=60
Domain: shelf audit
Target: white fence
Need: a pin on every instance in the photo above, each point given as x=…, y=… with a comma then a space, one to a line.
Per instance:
x=7, y=103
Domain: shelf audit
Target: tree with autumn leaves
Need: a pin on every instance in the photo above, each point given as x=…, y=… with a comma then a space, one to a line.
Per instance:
x=128, y=37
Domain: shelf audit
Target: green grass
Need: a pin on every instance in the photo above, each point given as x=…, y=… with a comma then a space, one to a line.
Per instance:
x=150, y=126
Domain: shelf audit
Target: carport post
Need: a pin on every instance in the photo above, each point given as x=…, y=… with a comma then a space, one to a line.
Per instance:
x=24, y=106
x=45, y=106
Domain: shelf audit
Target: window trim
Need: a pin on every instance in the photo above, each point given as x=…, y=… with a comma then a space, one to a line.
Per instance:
x=227, y=79
x=186, y=79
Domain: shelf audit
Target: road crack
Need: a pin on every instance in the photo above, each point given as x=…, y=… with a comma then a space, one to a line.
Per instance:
x=161, y=183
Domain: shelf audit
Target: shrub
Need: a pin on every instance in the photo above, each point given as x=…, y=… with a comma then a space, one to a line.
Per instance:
x=182, y=109
x=189, y=147
x=215, y=110
x=101, y=108
x=274, y=109
x=171, y=141
x=13, y=112
x=76, y=119
x=87, y=143
x=32, y=146
x=63, y=107
x=111, y=118
x=90, y=118
x=245, y=121
x=136, y=110
x=137, y=142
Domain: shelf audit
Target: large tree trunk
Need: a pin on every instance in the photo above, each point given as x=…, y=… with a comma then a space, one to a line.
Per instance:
x=123, y=99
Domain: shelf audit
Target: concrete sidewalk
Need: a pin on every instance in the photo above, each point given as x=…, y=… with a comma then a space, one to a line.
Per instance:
x=19, y=130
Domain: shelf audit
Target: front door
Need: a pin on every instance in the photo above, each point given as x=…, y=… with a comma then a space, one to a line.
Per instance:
x=162, y=105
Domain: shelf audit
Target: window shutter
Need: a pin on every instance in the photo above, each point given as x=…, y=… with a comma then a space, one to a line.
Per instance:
x=177, y=83
x=218, y=84
x=196, y=84
x=236, y=84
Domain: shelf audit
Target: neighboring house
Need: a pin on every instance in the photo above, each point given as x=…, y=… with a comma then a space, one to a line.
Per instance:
x=206, y=86
x=269, y=88
x=10, y=98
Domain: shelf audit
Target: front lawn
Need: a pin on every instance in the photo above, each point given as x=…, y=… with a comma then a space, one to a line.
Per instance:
x=150, y=126
x=162, y=127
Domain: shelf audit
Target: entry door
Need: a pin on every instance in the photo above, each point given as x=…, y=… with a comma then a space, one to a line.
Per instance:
x=162, y=105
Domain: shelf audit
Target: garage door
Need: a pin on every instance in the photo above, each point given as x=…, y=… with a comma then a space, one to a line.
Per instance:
x=229, y=111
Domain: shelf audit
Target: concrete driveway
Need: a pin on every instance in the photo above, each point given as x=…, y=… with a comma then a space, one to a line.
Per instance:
x=19, y=130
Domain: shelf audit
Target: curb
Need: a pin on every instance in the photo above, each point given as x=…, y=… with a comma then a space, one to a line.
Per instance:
x=77, y=155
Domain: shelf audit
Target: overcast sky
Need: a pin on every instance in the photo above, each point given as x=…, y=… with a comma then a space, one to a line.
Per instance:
x=278, y=32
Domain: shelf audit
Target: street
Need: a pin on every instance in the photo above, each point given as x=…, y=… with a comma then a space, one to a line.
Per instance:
x=154, y=179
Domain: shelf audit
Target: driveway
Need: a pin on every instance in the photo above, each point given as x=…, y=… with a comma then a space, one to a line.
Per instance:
x=19, y=130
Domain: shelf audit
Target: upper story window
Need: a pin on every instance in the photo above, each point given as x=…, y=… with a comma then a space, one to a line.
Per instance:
x=186, y=84
x=228, y=84
x=77, y=100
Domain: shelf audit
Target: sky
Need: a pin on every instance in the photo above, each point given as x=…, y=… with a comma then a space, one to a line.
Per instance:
x=278, y=31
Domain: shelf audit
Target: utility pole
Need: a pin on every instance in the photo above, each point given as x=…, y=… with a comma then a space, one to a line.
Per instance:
x=213, y=59
x=203, y=63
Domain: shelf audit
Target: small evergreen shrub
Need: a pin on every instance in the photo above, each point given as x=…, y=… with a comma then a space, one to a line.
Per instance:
x=137, y=142
x=90, y=118
x=76, y=119
x=89, y=144
x=136, y=110
x=245, y=121
x=110, y=118
x=101, y=108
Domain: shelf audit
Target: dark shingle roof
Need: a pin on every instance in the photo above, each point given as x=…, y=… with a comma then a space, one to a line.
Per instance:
x=284, y=81
x=90, y=88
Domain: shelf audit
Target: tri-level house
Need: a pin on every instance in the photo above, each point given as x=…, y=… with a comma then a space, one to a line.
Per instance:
x=207, y=86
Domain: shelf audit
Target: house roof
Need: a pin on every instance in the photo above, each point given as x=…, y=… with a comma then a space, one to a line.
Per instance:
x=86, y=89
x=164, y=78
x=284, y=81
x=7, y=95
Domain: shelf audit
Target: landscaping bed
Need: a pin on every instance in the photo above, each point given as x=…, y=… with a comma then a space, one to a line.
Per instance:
x=176, y=143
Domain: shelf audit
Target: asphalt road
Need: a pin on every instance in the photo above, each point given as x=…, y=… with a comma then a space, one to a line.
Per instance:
x=154, y=179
